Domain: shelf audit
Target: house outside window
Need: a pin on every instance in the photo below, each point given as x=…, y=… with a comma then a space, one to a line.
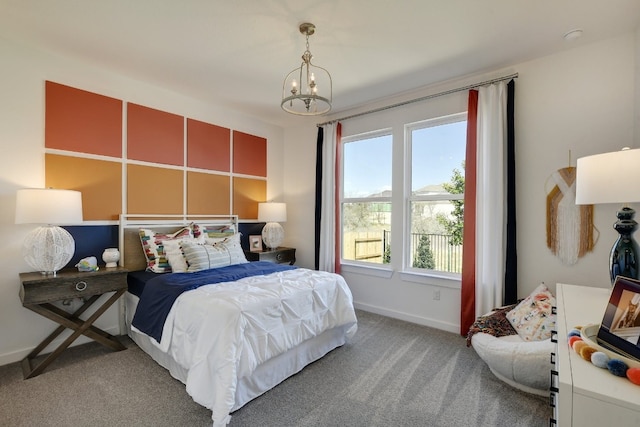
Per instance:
x=432, y=178
x=366, y=196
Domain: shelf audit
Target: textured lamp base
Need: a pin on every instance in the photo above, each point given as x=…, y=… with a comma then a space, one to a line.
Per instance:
x=272, y=235
x=47, y=249
x=624, y=254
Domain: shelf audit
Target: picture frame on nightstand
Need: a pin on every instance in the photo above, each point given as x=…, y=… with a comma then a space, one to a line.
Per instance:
x=255, y=243
x=620, y=328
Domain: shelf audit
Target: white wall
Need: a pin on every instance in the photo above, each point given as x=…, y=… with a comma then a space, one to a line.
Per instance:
x=22, y=77
x=583, y=99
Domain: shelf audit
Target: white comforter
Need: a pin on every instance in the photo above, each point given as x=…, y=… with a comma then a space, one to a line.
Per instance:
x=221, y=333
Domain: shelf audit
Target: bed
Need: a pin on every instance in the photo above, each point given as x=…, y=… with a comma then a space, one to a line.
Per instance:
x=232, y=332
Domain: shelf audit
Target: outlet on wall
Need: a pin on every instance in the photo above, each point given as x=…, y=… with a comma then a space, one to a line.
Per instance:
x=436, y=295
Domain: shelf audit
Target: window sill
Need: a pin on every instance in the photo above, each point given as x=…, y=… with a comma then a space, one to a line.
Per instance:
x=385, y=273
x=442, y=280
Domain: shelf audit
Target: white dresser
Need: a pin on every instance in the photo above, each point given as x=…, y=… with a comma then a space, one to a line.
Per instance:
x=584, y=395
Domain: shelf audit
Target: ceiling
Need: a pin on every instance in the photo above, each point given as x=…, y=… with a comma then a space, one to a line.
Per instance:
x=235, y=53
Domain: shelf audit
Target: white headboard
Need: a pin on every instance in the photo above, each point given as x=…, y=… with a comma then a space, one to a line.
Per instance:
x=131, y=253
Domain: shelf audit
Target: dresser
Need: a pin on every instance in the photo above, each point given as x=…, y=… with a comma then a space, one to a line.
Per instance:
x=582, y=394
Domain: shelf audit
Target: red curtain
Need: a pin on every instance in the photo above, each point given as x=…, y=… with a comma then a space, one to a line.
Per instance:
x=468, y=291
x=338, y=184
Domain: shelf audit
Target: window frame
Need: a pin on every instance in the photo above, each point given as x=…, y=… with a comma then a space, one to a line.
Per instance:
x=410, y=198
x=384, y=132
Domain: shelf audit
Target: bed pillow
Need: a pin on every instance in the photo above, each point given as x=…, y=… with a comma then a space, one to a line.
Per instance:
x=208, y=230
x=153, y=245
x=174, y=254
x=216, y=255
x=532, y=318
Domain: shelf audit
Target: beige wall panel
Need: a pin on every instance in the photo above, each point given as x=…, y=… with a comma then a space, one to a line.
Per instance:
x=99, y=181
x=247, y=193
x=208, y=194
x=154, y=190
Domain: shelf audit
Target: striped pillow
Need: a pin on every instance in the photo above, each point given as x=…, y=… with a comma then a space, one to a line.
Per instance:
x=220, y=254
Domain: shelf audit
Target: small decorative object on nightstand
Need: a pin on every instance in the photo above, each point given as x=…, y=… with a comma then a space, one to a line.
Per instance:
x=38, y=292
x=111, y=256
x=281, y=255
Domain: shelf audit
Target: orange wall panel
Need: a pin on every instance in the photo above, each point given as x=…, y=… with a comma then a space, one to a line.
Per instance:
x=81, y=121
x=208, y=194
x=154, y=190
x=249, y=154
x=208, y=146
x=99, y=181
x=247, y=193
x=154, y=136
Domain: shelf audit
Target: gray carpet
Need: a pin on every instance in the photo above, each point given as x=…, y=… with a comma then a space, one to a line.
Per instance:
x=393, y=373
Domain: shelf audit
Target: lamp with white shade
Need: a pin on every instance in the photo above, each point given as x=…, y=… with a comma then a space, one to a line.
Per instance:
x=272, y=213
x=49, y=247
x=614, y=178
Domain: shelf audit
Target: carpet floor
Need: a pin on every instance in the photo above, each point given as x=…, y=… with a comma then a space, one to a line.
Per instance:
x=392, y=373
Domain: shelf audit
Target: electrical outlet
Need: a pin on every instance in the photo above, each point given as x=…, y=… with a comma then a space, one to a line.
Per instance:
x=436, y=295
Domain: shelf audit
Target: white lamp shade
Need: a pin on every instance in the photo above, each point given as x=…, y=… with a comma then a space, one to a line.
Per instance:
x=272, y=212
x=608, y=178
x=48, y=206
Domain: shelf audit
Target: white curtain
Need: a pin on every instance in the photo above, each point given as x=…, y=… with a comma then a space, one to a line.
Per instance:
x=491, y=203
x=328, y=242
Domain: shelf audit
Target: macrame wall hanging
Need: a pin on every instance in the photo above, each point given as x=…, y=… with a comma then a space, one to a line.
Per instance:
x=570, y=229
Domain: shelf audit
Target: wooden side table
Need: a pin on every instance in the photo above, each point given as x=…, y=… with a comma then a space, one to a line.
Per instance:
x=279, y=255
x=39, y=291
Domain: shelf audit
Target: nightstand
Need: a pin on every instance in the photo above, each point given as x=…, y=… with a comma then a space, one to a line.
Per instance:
x=38, y=291
x=279, y=255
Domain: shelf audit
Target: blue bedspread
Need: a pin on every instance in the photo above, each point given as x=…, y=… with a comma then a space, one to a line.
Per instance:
x=161, y=292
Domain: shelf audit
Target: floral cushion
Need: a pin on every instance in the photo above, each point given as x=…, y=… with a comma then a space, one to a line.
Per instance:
x=532, y=318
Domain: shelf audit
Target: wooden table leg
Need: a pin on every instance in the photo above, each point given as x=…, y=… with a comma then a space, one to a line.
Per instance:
x=70, y=321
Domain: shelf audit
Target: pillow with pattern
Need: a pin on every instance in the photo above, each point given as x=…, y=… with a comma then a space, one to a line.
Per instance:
x=532, y=318
x=153, y=244
x=214, y=254
x=208, y=230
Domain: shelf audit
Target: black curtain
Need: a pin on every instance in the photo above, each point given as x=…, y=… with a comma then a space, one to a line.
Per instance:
x=511, y=267
x=318, y=213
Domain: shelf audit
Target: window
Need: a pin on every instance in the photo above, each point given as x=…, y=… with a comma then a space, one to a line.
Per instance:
x=366, y=196
x=437, y=153
x=427, y=198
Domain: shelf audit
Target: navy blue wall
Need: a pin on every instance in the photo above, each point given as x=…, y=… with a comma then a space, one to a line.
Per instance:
x=92, y=240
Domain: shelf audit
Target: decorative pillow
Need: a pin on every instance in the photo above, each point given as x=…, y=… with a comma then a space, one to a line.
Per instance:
x=153, y=244
x=174, y=255
x=532, y=317
x=207, y=230
x=213, y=254
x=494, y=323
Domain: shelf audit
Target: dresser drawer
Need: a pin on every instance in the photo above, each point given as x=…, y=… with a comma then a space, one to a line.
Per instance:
x=67, y=286
x=279, y=256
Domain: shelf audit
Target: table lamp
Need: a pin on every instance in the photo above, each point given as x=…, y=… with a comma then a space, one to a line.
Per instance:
x=48, y=248
x=614, y=178
x=272, y=213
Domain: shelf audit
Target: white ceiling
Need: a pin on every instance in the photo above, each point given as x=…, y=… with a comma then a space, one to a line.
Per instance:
x=236, y=53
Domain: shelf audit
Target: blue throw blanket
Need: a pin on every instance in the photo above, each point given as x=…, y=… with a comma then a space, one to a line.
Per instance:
x=161, y=292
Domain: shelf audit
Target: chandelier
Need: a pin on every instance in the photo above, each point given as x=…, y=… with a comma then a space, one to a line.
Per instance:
x=306, y=91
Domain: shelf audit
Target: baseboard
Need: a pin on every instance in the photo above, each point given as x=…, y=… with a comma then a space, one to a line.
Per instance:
x=424, y=321
x=18, y=355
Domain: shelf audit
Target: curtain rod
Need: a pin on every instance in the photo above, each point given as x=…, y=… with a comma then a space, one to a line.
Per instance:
x=424, y=98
